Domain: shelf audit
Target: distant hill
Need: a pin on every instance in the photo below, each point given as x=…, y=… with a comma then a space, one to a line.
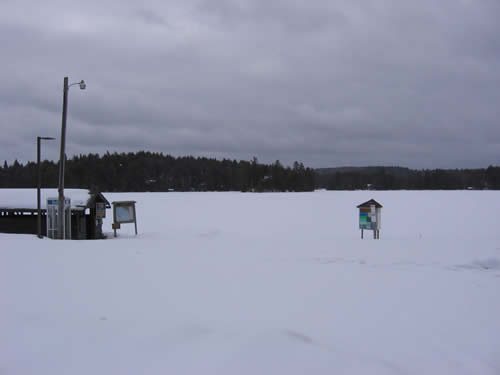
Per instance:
x=396, y=171
x=388, y=178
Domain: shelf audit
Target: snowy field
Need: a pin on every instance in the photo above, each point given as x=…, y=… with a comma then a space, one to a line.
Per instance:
x=233, y=283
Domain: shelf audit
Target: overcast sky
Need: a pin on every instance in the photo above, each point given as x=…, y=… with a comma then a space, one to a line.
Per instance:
x=325, y=82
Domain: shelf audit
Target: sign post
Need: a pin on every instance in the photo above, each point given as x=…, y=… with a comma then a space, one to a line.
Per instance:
x=124, y=212
x=369, y=217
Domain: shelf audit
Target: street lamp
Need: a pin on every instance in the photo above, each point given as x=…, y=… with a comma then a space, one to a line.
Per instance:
x=62, y=157
x=39, y=185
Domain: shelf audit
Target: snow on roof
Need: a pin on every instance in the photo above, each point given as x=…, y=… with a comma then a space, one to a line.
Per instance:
x=26, y=198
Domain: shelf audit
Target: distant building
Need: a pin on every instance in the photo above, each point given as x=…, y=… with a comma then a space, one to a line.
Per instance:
x=18, y=212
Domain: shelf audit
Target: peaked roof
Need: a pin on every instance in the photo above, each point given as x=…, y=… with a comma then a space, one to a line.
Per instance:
x=369, y=203
x=97, y=197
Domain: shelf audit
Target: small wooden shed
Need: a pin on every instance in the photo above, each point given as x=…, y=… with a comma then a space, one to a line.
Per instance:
x=18, y=211
x=370, y=215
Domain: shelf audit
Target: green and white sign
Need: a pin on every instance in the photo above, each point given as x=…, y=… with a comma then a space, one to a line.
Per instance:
x=368, y=218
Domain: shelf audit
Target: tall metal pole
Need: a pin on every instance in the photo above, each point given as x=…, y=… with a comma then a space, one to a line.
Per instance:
x=62, y=158
x=39, y=185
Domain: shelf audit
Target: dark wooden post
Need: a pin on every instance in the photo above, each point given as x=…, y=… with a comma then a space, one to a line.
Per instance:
x=39, y=183
x=135, y=220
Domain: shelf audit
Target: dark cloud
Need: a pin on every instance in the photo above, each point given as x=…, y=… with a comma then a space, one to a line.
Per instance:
x=150, y=17
x=325, y=82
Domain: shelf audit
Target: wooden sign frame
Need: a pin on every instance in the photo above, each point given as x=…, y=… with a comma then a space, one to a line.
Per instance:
x=124, y=212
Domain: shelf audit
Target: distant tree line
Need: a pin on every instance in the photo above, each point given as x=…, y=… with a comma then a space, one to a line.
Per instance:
x=394, y=178
x=147, y=171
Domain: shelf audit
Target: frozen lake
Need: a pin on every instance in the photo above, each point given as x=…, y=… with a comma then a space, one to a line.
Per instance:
x=234, y=283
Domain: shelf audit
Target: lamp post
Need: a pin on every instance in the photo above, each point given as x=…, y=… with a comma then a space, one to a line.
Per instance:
x=62, y=158
x=39, y=185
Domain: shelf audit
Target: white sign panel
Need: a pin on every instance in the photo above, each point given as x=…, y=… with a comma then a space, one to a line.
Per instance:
x=124, y=214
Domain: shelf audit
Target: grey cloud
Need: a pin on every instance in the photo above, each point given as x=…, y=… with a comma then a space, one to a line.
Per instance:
x=289, y=16
x=327, y=83
x=150, y=17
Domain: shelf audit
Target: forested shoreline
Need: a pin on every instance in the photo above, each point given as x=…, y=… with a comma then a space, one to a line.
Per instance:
x=398, y=178
x=148, y=171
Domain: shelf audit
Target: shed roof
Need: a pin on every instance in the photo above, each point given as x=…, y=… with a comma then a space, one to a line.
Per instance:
x=26, y=199
x=369, y=203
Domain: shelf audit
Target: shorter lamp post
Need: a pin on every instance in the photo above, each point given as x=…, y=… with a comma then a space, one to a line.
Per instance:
x=39, y=185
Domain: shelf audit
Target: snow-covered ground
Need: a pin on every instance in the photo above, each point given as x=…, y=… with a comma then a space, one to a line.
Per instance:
x=233, y=283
